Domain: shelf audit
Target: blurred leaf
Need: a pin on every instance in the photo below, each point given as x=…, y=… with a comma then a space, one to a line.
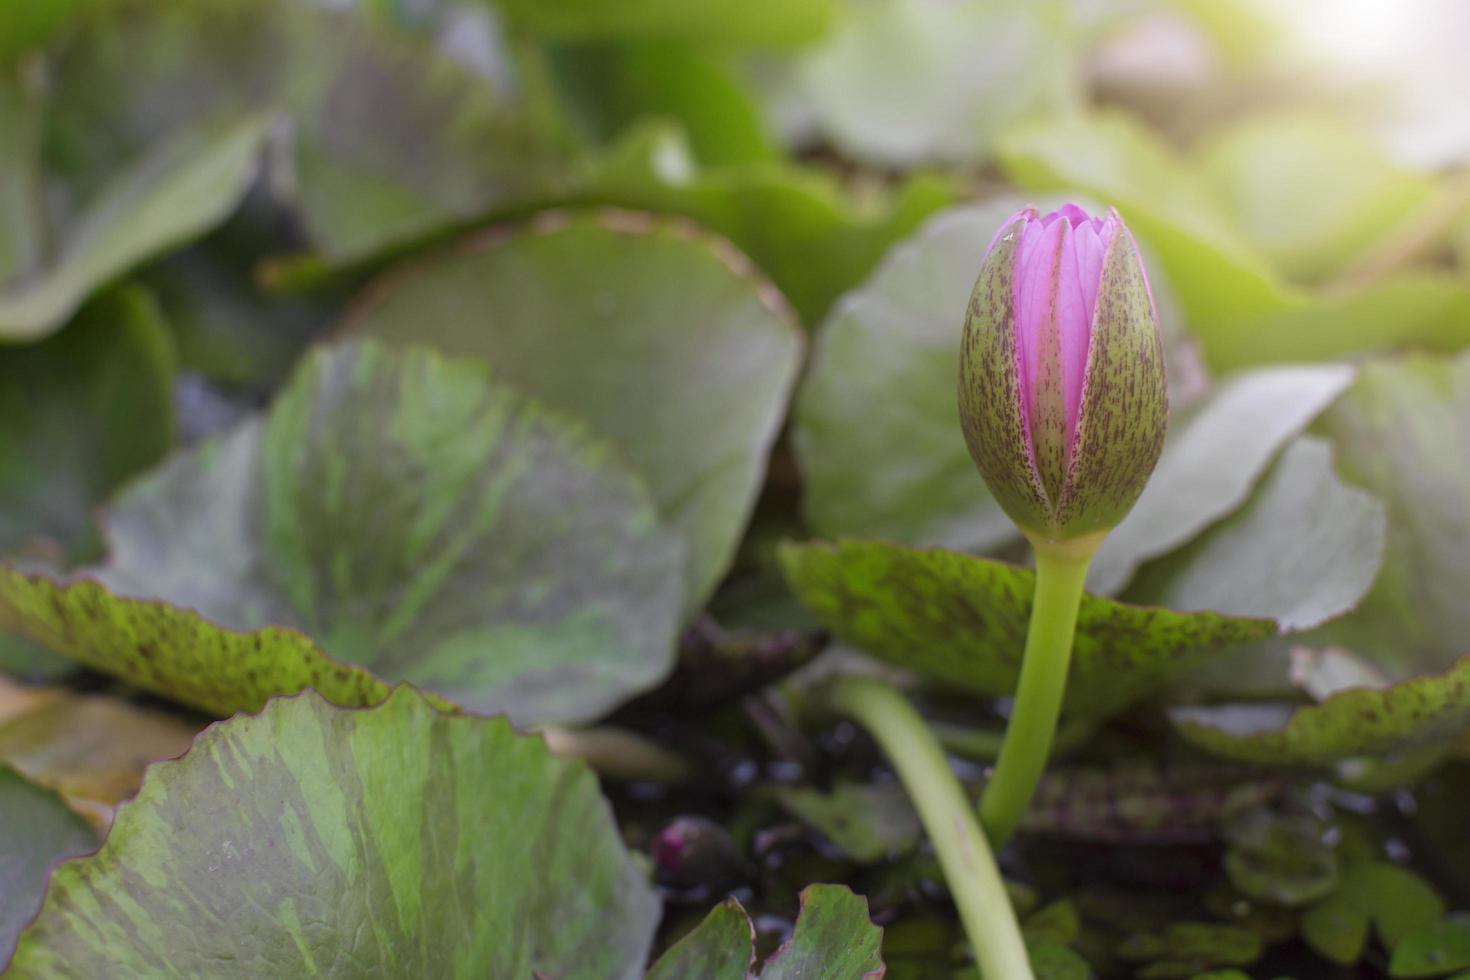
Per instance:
x=175, y=652
x=1283, y=858
x=1307, y=190
x=1396, y=901
x=1305, y=549
x=722, y=947
x=27, y=25
x=1215, y=453
x=868, y=821
x=811, y=236
x=1051, y=961
x=749, y=22
x=695, y=354
x=90, y=749
x=80, y=413
x=181, y=188
x=608, y=87
x=412, y=517
x=395, y=841
x=974, y=67
x=1057, y=923
x=1442, y=948
x=1403, y=432
x=22, y=113
x=1423, y=710
x=38, y=831
x=1186, y=949
x=876, y=427
x=962, y=620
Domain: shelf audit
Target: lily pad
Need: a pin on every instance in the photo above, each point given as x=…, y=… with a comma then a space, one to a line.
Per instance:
x=413, y=517
x=876, y=428
x=1442, y=948
x=867, y=821
x=1403, y=432
x=395, y=841
x=691, y=383
x=176, y=652
x=833, y=940
x=177, y=190
x=1395, y=901
x=80, y=413
x=962, y=620
x=1305, y=549
x=1212, y=458
x=1420, y=711
x=39, y=830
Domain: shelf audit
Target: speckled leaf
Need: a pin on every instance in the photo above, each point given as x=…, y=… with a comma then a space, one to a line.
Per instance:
x=962, y=620
x=176, y=652
x=180, y=188
x=411, y=516
x=1403, y=432
x=1212, y=458
x=396, y=841
x=1305, y=549
x=875, y=426
x=722, y=947
x=89, y=748
x=691, y=383
x=1423, y=710
x=80, y=413
x=38, y=830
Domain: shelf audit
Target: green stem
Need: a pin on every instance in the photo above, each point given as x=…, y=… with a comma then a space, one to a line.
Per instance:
x=1061, y=570
x=969, y=868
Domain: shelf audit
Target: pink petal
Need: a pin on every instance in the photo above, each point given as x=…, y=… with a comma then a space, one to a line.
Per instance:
x=1035, y=270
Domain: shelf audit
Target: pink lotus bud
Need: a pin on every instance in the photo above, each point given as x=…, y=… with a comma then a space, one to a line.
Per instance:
x=1063, y=396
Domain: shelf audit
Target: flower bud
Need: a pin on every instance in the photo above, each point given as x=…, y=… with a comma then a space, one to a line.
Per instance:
x=1063, y=395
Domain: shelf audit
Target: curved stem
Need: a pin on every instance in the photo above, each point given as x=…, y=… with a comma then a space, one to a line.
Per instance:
x=615, y=753
x=1061, y=570
x=969, y=868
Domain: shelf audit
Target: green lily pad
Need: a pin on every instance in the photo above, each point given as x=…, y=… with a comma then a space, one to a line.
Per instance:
x=867, y=821
x=1395, y=901
x=691, y=383
x=413, y=517
x=1442, y=948
x=176, y=652
x=755, y=22
x=1213, y=457
x=80, y=413
x=179, y=189
x=876, y=429
x=833, y=940
x=396, y=841
x=39, y=830
x=962, y=620
x=864, y=81
x=1421, y=711
x=1310, y=219
x=1403, y=432
x=1305, y=549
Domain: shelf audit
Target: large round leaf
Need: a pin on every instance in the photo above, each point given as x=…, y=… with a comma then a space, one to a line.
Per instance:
x=962, y=621
x=663, y=340
x=412, y=517
x=317, y=841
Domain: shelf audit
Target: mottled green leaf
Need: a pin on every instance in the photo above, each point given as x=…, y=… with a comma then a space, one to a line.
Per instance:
x=80, y=413
x=37, y=832
x=868, y=821
x=1403, y=432
x=1305, y=549
x=695, y=355
x=962, y=620
x=1442, y=948
x=175, y=652
x=413, y=517
x=864, y=81
x=178, y=189
x=752, y=22
x=876, y=429
x=833, y=940
x=1420, y=711
x=1307, y=190
x=1214, y=454
x=310, y=840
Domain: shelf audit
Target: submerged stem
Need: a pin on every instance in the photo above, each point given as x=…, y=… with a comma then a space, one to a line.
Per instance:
x=969, y=868
x=1060, y=574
